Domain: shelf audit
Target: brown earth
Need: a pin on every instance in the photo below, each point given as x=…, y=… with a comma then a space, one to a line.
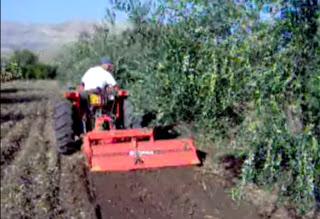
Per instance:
x=166, y=193
x=36, y=182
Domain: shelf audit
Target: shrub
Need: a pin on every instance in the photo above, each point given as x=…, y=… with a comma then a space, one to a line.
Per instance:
x=26, y=64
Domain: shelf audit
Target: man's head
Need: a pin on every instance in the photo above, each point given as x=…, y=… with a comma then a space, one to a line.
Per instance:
x=107, y=64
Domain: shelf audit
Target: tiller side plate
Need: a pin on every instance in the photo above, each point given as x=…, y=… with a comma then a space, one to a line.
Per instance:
x=124, y=150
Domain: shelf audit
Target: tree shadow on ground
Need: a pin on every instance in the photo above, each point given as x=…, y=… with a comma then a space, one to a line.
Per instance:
x=11, y=117
x=14, y=90
x=13, y=100
x=9, y=90
x=232, y=165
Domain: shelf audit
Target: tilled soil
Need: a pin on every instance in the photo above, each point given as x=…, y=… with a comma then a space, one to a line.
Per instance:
x=36, y=182
x=166, y=193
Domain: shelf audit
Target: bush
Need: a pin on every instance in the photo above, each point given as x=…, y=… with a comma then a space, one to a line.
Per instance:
x=26, y=64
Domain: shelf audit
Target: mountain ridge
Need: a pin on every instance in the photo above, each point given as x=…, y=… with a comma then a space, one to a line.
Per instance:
x=37, y=37
x=45, y=39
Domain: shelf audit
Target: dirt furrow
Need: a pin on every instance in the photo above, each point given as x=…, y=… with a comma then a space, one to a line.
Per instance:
x=46, y=162
x=17, y=132
x=53, y=171
x=75, y=194
x=19, y=175
x=37, y=182
x=11, y=144
x=13, y=114
x=36, y=168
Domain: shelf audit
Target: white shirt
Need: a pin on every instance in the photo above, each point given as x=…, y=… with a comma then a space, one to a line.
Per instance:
x=97, y=77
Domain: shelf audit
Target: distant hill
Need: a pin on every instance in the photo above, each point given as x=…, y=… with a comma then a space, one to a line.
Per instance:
x=44, y=39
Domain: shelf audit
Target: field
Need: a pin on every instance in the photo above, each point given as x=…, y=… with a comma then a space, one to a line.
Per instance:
x=36, y=182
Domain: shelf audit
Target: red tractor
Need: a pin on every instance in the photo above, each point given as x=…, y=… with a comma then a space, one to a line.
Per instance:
x=98, y=121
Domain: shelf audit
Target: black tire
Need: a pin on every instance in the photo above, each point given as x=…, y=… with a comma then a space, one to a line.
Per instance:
x=64, y=127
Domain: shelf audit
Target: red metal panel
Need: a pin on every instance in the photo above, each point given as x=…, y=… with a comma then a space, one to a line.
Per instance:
x=140, y=155
x=118, y=134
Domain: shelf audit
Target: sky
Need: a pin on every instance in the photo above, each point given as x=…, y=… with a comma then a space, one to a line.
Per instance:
x=57, y=11
x=53, y=11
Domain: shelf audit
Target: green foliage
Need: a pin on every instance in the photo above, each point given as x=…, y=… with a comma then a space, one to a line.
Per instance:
x=24, y=57
x=215, y=64
x=26, y=64
x=280, y=154
x=9, y=70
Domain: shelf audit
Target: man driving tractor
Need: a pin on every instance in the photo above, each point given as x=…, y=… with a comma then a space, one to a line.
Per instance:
x=99, y=76
x=98, y=79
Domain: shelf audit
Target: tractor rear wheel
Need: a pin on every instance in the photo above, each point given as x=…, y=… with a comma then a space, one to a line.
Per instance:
x=64, y=126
